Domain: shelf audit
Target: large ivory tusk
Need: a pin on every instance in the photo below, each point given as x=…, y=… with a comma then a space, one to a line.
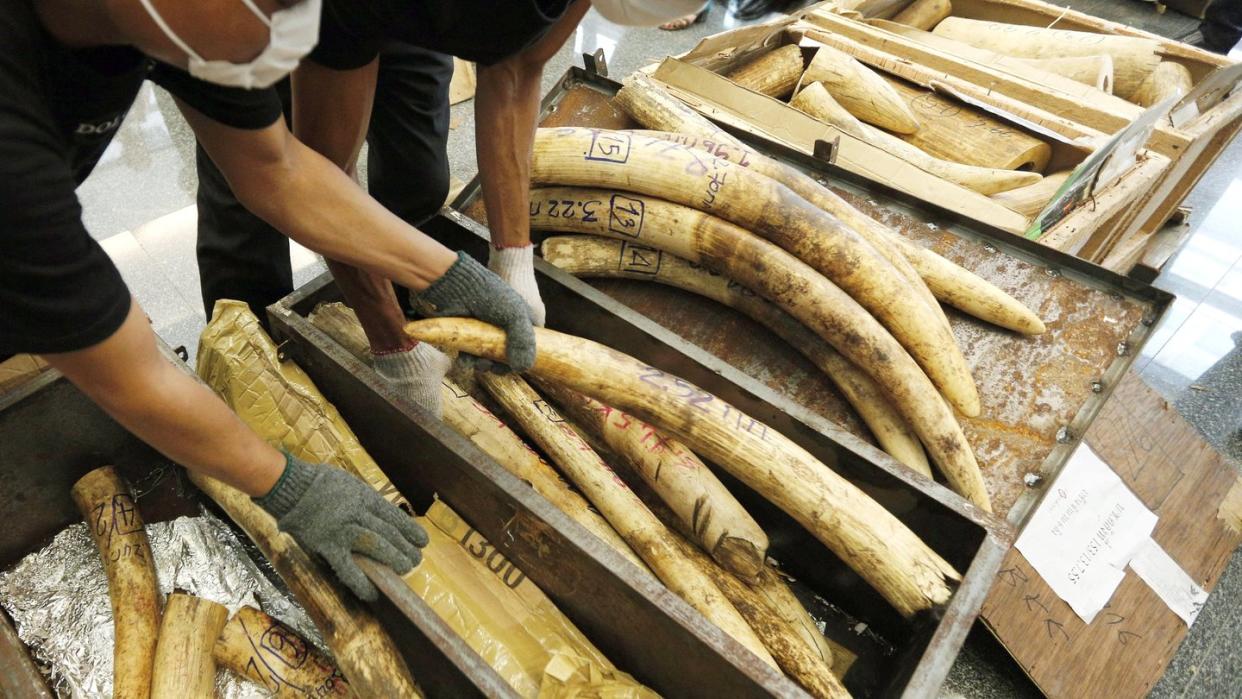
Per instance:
x=619, y=505
x=957, y=131
x=1134, y=58
x=184, y=666
x=815, y=101
x=618, y=159
x=873, y=542
x=260, y=648
x=657, y=109
x=488, y=432
x=682, y=481
x=860, y=90
x=806, y=295
x=774, y=74
x=116, y=526
x=597, y=257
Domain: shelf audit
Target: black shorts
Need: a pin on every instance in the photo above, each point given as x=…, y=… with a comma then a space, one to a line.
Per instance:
x=485, y=31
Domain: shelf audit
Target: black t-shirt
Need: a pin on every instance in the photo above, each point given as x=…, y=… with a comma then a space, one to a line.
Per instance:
x=59, y=109
x=485, y=31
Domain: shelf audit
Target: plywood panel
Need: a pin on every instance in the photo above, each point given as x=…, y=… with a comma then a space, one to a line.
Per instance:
x=1125, y=650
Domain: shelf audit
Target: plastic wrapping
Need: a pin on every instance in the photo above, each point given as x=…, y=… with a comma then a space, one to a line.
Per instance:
x=507, y=619
x=483, y=597
x=58, y=598
x=277, y=399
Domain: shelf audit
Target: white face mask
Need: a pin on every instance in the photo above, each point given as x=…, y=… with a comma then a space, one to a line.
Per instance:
x=646, y=13
x=293, y=33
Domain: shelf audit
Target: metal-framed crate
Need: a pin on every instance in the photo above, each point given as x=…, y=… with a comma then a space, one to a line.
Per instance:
x=51, y=435
x=1097, y=319
x=629, y=614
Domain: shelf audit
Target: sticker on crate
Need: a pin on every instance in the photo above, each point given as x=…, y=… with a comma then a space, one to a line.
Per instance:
x=1088, y=529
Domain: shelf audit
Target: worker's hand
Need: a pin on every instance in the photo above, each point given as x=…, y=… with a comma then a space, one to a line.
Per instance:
x=417, y=373
x=469, y=289
x=517, y=267
x=332, y=513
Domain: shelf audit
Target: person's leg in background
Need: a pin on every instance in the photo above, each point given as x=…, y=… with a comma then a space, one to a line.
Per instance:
x=407, y=157
x=239, y=256
x=1222, y=25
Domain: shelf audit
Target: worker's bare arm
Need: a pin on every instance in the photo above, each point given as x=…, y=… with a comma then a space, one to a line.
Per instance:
x=167, y=408
x=314, y=202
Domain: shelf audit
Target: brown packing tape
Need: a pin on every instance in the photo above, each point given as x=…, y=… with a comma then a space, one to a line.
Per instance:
x=277, y=399
x=483, y=597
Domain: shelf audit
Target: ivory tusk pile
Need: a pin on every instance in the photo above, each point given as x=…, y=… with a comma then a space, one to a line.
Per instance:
x=682, y=481
x=598, y=257
x=799, y=661
x=806, y=295
x=815, y=101
x=618, y=159
x=655, y=108
x=488, y=432
x=868, y=538
x=116, y=526
x=367, y=656
x=619, y=505
x=860, y=90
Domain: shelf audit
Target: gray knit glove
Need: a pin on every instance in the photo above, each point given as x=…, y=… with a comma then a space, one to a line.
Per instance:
x=332, y=513
x=470, y=289
x=417, y=373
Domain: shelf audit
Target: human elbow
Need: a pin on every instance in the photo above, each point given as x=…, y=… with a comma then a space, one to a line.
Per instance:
x=265, y=190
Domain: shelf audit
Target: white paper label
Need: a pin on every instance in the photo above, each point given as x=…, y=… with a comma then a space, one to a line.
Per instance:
x=1084, y=533
x=1169, y=581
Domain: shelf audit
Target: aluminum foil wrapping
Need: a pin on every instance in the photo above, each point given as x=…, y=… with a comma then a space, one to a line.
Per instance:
x=58, y=598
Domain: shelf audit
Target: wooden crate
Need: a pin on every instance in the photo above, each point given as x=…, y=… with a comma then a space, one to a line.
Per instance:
x=1201, y=134
x=694, y=77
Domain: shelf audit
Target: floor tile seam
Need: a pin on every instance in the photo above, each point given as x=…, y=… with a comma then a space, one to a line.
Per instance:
x=1153, y=354
x=163, y=268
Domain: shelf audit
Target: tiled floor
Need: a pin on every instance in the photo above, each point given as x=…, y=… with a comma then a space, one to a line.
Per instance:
x=139, y=204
